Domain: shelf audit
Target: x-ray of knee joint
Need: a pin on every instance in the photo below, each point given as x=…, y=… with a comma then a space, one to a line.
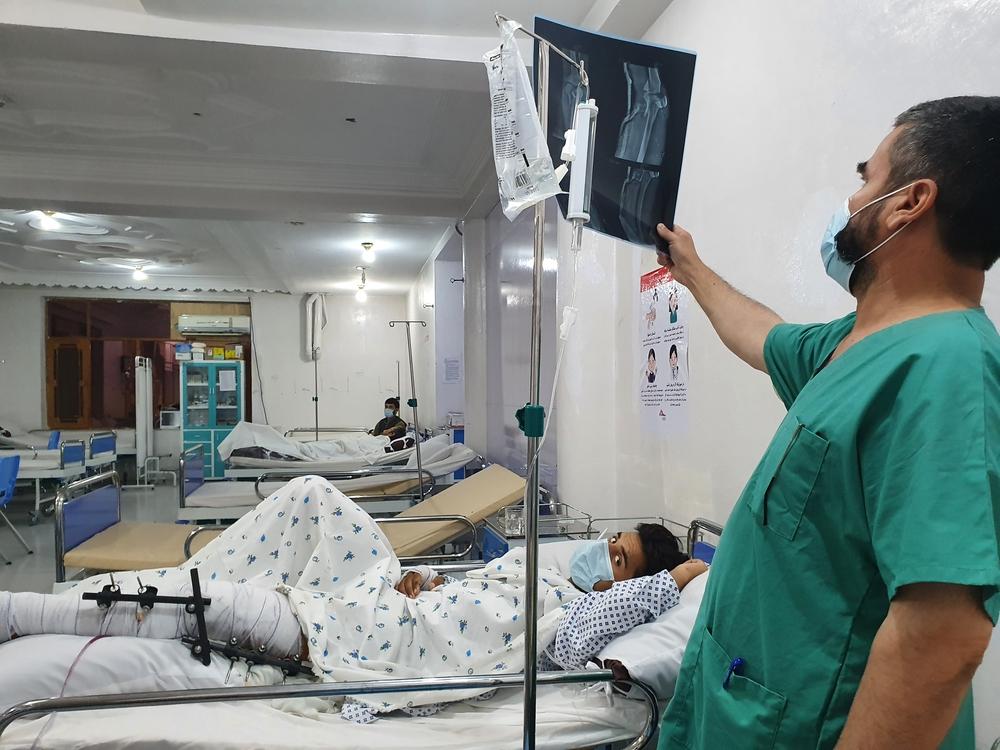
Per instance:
x=644, y=95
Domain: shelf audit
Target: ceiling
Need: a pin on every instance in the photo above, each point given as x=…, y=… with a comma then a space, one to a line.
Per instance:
x=454, y=17
x=214, y=148
x=194, y=132
x=219, y=255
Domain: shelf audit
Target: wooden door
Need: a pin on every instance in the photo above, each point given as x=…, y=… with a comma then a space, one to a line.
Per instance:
x=68, y=383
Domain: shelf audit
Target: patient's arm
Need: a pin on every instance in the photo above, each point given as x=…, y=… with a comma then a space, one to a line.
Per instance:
x=593, y=620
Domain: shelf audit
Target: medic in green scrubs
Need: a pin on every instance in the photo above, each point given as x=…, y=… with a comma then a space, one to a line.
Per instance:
x=857, y=583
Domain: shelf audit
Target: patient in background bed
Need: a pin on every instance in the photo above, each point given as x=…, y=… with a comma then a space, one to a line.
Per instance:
x=391, y=425
x=307, y=575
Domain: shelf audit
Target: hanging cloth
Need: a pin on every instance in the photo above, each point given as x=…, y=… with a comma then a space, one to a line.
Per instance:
x=315, y=323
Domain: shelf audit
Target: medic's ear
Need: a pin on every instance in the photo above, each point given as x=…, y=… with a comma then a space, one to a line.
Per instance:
x=912, y=203
x=603, y=585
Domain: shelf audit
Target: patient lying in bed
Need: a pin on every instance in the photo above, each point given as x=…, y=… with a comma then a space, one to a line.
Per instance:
x=308, y=575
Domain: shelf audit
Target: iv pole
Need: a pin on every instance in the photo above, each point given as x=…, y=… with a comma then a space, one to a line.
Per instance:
x=532, y=417
x=412, y=402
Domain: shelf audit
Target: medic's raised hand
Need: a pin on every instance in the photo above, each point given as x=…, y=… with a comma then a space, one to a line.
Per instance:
x=682, y=260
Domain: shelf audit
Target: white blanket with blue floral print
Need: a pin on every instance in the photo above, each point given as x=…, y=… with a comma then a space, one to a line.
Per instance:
x=329, y=557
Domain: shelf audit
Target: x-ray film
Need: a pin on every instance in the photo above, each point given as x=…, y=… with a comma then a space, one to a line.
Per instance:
x=644, y=94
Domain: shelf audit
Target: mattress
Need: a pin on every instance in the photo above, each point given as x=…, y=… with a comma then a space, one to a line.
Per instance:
x=569, y=716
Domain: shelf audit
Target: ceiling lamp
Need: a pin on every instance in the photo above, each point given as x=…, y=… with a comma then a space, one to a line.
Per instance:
x=362, y=295
x=368, y=252
x=48, y=222
x=139, y=275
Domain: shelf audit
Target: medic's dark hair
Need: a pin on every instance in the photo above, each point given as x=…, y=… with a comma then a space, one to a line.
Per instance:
x=394, y=401
x=673, y=350
x=652, y=353
x=956, y=143
x=662, y=550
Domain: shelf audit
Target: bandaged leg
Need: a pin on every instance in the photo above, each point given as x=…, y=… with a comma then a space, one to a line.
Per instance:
x=254, y=617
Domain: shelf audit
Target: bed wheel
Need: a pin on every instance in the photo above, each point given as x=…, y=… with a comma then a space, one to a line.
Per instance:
x=49, y=510
x=33, y=518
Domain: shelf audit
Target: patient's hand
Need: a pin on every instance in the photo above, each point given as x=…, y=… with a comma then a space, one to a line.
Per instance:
x=411, y=584
x=620, y=672
x=686, y=572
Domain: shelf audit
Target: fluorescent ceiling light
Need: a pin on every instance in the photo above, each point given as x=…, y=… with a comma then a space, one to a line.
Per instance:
x=48, y=222
x=139, y=275
x=368, y=254
x=361, y=296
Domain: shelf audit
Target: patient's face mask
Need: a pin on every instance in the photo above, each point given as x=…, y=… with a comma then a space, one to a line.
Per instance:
x=389, y=413
x=837, y=268
x=590, y=564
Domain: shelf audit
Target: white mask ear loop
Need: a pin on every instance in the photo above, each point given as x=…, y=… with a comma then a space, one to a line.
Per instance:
x=872, y=203
x=880, y=244
x=601, y=535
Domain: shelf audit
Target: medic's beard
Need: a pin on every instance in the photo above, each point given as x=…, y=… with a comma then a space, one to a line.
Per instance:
x=853, y=242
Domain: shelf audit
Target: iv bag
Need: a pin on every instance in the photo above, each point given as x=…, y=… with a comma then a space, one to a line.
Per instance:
x=524, y=168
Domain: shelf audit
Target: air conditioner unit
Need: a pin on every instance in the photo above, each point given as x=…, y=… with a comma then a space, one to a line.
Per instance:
x=213, y=325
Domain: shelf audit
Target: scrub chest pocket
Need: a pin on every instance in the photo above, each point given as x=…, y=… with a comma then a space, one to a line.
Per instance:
x=728, y=709
x=788, y=486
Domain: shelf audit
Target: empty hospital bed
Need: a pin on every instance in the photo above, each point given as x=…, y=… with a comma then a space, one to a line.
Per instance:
x=91, y=535
x=199, y=500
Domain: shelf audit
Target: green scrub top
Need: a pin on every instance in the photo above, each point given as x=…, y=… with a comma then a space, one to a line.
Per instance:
x=885, y=472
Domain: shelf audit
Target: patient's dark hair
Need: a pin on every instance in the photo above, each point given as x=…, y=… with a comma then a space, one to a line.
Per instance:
x=394, y=401
x=663, y=551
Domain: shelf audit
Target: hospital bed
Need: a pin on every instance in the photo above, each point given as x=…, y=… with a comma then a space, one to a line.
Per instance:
x=91, y=535
x=226, y=718
x=568, y=716
x=307, y=434
x=71, y=459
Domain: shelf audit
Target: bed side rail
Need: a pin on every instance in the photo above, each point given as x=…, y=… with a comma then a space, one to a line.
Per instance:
x=103, y=444
x=312, y=430
x=402, y=472
x=331, y=690
x=191, y=473
x=696, y=544
x=83, y=509
x=72, y=453
x=197, y=531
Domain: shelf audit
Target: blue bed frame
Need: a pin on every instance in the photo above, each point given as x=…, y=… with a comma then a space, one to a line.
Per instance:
x=84, y=509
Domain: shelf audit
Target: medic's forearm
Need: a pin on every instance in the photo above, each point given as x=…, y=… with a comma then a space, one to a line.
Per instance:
x=742, y=323
x=919, y=671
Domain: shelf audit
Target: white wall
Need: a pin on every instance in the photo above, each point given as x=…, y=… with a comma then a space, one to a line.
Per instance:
x=22, y=357
x=788, y=97
x=449, y=336
x=357, y=369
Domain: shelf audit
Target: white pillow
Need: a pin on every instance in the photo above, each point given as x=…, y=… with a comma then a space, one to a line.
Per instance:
x=556, y=555
x=434, y=449
x=652, y=653
x=37, y=667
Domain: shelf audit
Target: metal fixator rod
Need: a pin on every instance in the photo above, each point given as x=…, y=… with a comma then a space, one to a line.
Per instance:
x=412, y=403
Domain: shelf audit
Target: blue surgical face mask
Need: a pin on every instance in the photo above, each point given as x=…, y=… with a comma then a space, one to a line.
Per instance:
x=389, y=413
x=837, y=268
x=590, y=564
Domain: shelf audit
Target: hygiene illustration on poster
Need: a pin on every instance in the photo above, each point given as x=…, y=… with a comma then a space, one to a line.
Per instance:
x=663, y=343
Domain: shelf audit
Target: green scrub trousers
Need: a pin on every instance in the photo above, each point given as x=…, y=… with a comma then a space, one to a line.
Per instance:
x=885, y=472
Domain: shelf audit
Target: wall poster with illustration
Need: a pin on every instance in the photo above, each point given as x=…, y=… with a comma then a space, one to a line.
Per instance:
x=663, y=343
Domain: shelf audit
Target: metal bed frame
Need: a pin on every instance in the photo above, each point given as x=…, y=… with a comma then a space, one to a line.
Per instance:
x=471, y=545
x=329, y=690
x=292, y=432
x=196, y=453
x=72, y=464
